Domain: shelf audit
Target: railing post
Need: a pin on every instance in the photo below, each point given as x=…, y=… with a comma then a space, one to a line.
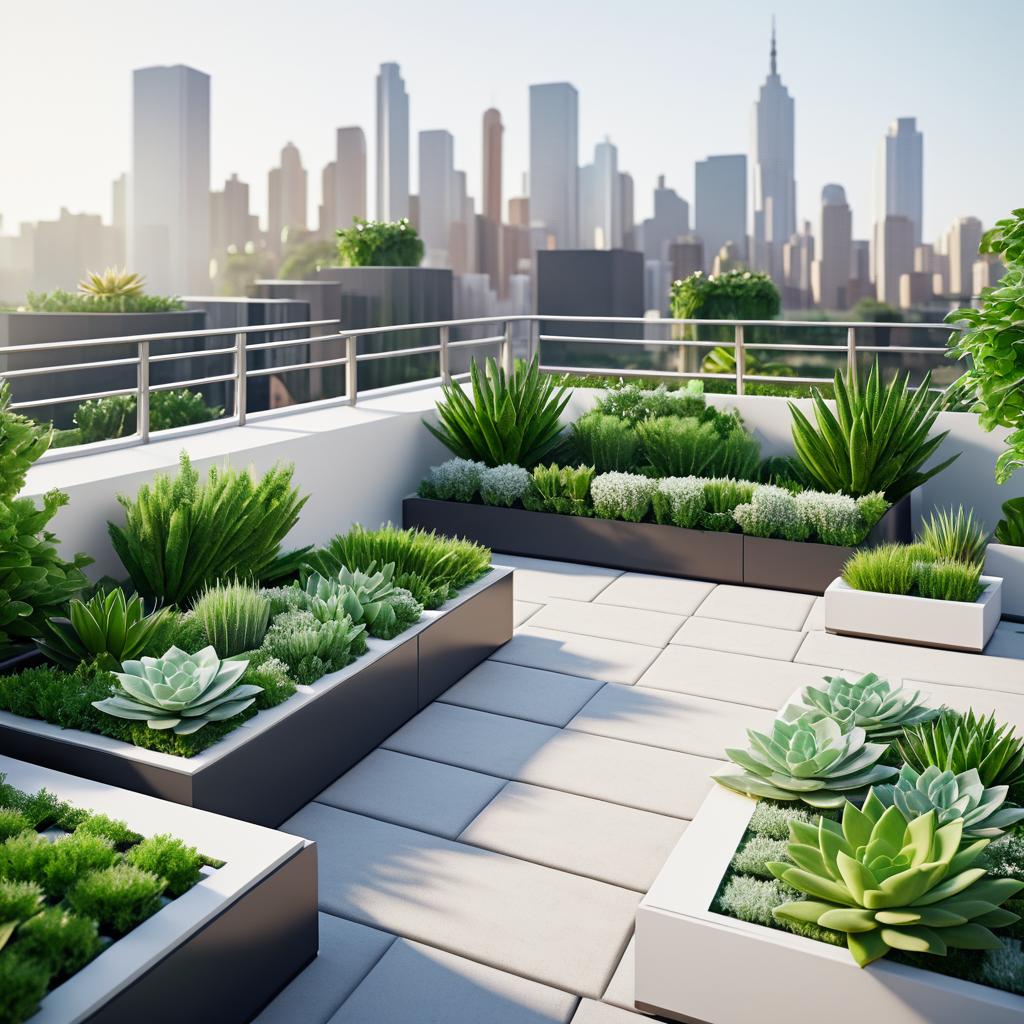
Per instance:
x=533, y=341
x=142, y=399
x=241, y=378
x=445, y=365
x=741, y=358
x=351, y=369
x=851, y=352
x=506, y=349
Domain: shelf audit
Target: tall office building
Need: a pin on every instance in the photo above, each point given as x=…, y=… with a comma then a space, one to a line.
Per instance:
x=773, y=182
x=493, y=131
x=894, y=256
x=63, y=250
x=962, y=243
x=350, y=176
x=831, y=275
x=392, y=145
x=901, y=174
x=670, y=222
x=554, y=161
x=600, y=194
x=169, y=222
x=327, y=211
x=720, y=198
x=628, y=210
x=119, y=215
x=287, y=187
x=440, y=205
x=231, y=223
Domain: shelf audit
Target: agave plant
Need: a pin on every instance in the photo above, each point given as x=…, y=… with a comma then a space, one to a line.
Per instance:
x=365, y=597
x=877, y=439
x=180, y=691
x=951, y=797
x=113, y=281
x=955, y=535
x=957, y=743
x=108, y=628
x=807, y=759
x=892, y=884
x=511, y=418
x=870, y=703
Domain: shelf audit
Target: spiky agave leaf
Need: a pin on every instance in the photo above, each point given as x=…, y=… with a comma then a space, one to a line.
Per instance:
x=889, y=883
x=113, y=281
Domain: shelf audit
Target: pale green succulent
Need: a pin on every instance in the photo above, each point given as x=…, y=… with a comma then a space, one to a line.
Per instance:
x=180, y=691
x=809, y=760
x=874, y=705
x=951, y=797
x=367, y=597
x=892, y=884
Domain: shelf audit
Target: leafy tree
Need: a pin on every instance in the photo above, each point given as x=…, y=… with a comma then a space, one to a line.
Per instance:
x=377, y=243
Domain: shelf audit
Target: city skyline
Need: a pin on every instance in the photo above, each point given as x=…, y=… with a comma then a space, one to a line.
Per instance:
x=692, y=125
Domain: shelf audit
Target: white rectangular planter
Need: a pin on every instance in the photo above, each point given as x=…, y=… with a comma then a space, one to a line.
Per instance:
x=953, y=625
x=222, y=949
x=1007, y=561
x=698, y=966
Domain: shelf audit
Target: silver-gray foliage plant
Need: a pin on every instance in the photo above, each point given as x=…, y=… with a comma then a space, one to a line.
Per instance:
x=622, y=496
x=504, y=485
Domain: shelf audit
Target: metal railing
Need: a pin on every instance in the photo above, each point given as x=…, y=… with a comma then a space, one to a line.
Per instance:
x=240, y=347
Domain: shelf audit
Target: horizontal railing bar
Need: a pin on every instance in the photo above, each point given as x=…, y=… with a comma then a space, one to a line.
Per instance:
x=87, y=397
x=365, y=357
x=668, y=321
x=202, y=353
x=44, y=346
x=657, y=342
x=287, y=342
x=174, y=385
x=362, y=332
x=934, y=350
x=466, y=342
x=35, y=371
x=580, y=371
x=269, y=371
x=795, y=346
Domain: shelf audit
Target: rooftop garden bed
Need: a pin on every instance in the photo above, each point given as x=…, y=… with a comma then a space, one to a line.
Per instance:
x=107, y=895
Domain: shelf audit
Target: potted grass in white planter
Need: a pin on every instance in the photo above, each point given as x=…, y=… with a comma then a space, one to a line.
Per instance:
x=1005, y=558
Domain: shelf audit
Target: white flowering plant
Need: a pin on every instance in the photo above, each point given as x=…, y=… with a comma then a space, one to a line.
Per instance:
x=622, y=496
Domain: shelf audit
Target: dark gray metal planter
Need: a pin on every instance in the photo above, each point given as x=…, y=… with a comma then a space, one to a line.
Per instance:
x=650, y=547
x=266, y=770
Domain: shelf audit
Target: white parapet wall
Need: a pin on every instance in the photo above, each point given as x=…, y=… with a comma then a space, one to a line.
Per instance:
x=355, y=463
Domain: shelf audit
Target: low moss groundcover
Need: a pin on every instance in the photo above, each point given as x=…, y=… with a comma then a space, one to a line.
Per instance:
x=71, y=883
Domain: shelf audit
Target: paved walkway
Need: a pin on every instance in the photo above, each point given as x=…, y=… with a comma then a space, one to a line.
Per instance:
x=484, y=865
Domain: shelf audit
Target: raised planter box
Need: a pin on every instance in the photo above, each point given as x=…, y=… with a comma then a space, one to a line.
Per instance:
x=223, y=949
x=275, y=763
x=698, y=966
x=1007, y=561
x=650, y=547
x=951, y=625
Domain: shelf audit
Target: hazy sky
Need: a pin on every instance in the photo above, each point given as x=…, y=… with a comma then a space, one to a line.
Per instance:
x=670, y=81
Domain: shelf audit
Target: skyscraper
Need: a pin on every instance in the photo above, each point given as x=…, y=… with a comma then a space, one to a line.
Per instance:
x=493, y=131
x=962, y=243
x=894, y=256
x=720, y=197
x=231, y=223
x=670, y=222
x=628, y=211
x=169, y=231
x=901, y=173
x=287, y=187
x=773, y=183
x=392, y=145
x=437, y=192
x=601, y=200
x=350, y=176
x=554, y=159
x=327, y=212
x=831, y=275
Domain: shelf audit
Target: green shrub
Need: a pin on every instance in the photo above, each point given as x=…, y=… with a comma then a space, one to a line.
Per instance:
x=877, y=440
x=12, y=822
x=23, y=858
x=108, y=628
x=772, y=512
x=170, y=859
x=561, y=489
x=433, y=568
x=379, y=243
x=18, y=902
x=102, y=419
x=622, y=496
x=73, y=856
x=872, y=507
x=632, y=401
x=949, y=580
x=181, y=536
x=837, y=518
x=606, y=442
x=311, y=649
x=370, y=598
x=721, y=498
x=679, y=501
x=677, y=446
x=954, y=535
x=234, y=617
x=42, y=808
x=63, y=942
x=1010, y=529
x=23, y=983
x=510, y=418
x=454, y=480
x=118, y=897
x=117, y=832
x=504, y=485
x=35, y=582
x=60, y=301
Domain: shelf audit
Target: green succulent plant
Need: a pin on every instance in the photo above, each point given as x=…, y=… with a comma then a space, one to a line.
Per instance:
x=892, y=884
x=108, y=628
x=113, y=281
x=984, y=811
x=869, y=703
x=807, y=759
x=234, y=617
x=180, y=691
x=366, y=597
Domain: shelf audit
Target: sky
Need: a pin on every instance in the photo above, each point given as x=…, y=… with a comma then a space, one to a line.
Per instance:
x=668, y=82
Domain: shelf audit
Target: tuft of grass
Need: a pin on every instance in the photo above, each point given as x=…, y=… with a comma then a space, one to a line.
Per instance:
x=913, y=569
x=606, y=442
x=957, y=536
x=234, y=617
x=948, y=580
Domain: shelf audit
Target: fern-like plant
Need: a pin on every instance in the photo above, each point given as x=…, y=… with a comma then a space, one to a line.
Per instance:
x=510, y=418
x=181, y=536
x=878, y=439
x=606, y=442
